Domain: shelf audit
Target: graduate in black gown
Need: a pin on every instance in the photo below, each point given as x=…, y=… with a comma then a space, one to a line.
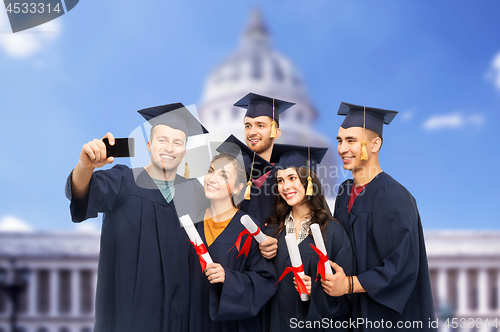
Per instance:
x=261, y=129
x=297, y=207
x=229, y=295
x=143, y=274
x=391, y=278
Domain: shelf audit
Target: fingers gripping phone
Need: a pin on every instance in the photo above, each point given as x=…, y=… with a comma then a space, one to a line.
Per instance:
x=124, y=147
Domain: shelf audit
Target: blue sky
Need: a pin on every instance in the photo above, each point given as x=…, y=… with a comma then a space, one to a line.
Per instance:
x=87, y=72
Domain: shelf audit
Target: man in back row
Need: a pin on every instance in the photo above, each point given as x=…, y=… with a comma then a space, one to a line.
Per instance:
x=261, y=124
x=143, y=279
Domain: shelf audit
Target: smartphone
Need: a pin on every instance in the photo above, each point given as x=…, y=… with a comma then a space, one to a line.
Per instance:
x=124, y=147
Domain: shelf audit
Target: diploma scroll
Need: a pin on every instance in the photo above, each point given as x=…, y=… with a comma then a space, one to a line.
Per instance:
x=253, y=228
x=294, y=253
x=320, y=244
x=196, y=240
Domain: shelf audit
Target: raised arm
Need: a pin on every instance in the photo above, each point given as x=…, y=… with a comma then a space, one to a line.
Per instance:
x=92, y=156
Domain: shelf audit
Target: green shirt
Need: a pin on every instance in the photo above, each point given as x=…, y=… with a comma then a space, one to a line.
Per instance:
x=167, y=189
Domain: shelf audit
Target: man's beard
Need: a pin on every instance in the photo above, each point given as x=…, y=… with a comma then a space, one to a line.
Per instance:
x=265, y=144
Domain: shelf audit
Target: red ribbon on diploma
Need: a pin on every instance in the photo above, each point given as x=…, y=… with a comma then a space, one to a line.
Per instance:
x=300, y=283
x=200, y=250
x=321, y=264
x=248, y=242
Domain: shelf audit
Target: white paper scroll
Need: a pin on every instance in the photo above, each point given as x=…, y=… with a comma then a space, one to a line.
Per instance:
x=252, y=228
x=193, y=235
x=294, y=253
x=320, y=244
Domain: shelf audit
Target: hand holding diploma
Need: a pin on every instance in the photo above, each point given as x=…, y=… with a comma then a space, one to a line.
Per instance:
x=307, y=282
x=252, y=230
x=297, y=268
x=215, y=273
x=323, y=264
x=269, y=247
x=337, y=284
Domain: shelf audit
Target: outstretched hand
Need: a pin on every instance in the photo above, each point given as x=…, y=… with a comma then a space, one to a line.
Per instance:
x=93, y=154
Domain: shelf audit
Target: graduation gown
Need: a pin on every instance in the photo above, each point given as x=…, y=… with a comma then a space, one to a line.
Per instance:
x=143, y=274
x=390, y=257
x=261, y=204
x=286, y=308
x=248, y=286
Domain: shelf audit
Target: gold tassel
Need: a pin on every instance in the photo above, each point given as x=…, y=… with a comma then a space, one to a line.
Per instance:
x=249, y=183
x=273, y=125
x=248, y=190
x=309, y=190
x=186, y=171
x=273, y=130
x=364, y=154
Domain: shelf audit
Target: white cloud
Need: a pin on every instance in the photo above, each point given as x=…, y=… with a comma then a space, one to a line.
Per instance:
x=26, y=43
x=407, y=116
x=87, y=227
x=12, y=224
x=454, y=120
x=493, y=73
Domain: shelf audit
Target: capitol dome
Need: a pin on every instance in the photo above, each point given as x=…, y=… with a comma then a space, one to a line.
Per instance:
x=257, y=67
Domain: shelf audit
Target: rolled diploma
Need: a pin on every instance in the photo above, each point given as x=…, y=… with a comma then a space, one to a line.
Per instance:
x=252, y=228
x=320, y=244
x=193, y=235
x=294, y=253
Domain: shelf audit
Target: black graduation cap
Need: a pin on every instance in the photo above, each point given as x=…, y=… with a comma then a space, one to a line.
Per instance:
x=365, y=117
x=286, y=155
x=176, y=116
x=258, y=105
x=255, y=165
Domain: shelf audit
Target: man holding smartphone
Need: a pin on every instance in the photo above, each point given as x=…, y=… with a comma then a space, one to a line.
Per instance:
x=143, y=279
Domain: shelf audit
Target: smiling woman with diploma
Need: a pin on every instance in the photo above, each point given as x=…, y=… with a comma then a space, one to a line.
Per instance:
x=301, y=208
x=230, y=293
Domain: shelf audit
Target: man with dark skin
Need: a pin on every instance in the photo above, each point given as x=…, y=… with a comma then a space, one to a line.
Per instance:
x=391, y=283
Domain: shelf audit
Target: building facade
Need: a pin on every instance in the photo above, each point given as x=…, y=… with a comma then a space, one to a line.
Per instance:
x=61, y=280
x=464, y=268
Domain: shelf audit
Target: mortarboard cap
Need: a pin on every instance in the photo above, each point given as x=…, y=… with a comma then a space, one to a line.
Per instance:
x=258, y=105
x=255, y=165
x=176, y=116
x=373, y=118
x=285, y=156
x=235, y=147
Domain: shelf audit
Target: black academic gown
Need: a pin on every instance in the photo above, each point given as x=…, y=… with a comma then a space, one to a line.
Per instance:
x=261, y=203
x=286, y=309
x=248, y=286
x=143, y=274
x=390, y=257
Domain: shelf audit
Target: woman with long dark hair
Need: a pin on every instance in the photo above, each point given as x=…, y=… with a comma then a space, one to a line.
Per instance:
x=300, y=202
x=229, y=295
